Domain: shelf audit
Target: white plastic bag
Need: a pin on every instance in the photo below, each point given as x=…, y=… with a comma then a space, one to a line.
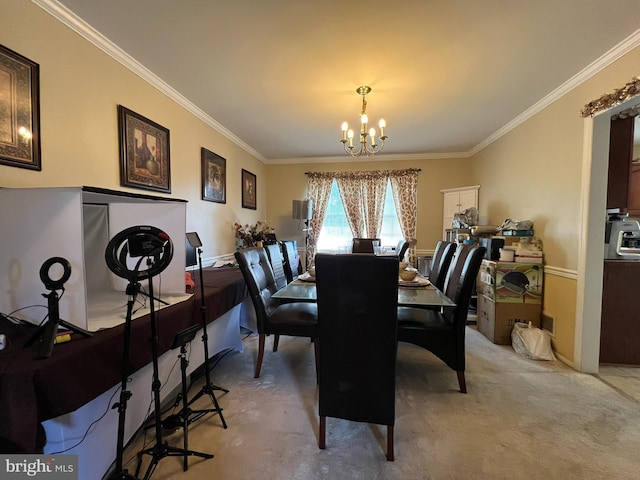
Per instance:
x=531, y=342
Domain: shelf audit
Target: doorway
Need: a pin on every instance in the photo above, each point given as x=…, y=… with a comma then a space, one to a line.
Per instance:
x=591, y=248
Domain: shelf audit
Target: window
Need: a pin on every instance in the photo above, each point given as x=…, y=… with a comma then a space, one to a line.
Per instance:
x=336, y=234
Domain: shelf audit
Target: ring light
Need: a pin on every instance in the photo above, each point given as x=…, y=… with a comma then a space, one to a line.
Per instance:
x=139, y=242
x=50, y=283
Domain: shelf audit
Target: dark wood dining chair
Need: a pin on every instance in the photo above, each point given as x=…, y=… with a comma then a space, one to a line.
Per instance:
x=443, y=333
x=292, y=264
x=297, y=319
x=357, y=307
x=401, y=249
x=440, y=262
x=364, y=245
x=277, y=264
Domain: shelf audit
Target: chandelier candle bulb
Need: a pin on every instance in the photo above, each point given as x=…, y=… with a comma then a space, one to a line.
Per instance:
x=382, y=124
x=372, y=134
x=345, y=127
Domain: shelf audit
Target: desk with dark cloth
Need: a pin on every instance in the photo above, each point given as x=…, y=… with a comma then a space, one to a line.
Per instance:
x=32, y=391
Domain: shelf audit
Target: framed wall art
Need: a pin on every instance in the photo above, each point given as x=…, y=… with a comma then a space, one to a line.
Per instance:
x=248, y=190
x=144, y=152
x=214, y=177
x=19, y=111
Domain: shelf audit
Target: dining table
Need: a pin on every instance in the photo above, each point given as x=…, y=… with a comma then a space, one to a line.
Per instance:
x=419, y=293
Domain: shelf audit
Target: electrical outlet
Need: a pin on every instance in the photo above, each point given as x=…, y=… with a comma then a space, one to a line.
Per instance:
x=548, y=323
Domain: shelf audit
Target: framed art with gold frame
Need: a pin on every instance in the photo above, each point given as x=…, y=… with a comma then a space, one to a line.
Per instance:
x=249, y=190
x=19, y=111
x=214, y=177
x=145, y=161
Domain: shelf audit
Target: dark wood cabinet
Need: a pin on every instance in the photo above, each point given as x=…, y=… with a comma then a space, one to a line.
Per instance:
x=620, y=153
x=620, y=328
x=633, y=201
x=624, y=174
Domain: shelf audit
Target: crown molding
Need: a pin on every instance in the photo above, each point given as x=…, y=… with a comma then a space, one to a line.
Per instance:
x=624, y=47
x=376, y=158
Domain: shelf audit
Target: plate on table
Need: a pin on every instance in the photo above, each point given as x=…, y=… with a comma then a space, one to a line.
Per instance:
x=306, y=277
x=416, y=282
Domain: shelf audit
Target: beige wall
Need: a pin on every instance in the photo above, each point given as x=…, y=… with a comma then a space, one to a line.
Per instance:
x=80, y=88
x=289, y=182
x=535, y=172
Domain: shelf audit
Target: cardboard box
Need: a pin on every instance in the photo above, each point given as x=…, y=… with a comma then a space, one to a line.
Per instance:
x=510, y=282
x=495, y=320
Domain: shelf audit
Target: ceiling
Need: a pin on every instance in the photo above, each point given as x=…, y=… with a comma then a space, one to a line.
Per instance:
x=280, y=76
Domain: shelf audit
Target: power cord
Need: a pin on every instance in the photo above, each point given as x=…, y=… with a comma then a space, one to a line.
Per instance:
x=91, y=424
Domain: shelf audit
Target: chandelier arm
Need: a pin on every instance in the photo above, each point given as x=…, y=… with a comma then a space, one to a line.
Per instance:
x=372, y=151
x=350, y=151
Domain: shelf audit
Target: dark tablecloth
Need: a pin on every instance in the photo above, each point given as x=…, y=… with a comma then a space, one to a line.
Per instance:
x=32, y=390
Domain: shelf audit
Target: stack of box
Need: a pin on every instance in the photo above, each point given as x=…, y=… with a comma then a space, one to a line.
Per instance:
x=508, y=292
x=529, y=256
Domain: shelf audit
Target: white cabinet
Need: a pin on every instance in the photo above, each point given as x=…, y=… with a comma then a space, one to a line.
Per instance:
x=457, y=200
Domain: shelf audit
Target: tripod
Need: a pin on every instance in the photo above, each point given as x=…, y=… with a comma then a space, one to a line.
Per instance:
x=46, y=333
x=181, y=340
x=161, y=449
x=208, y=388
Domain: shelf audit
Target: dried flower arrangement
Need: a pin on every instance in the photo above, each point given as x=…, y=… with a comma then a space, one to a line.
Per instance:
x=251, y=234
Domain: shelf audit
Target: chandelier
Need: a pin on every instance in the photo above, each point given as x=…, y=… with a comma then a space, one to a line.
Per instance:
x=347, y=134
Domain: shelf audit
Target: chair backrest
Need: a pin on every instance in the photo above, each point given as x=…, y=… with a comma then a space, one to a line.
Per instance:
x=440, y=263
x=291, y=259
x=357, y=316
x=461, y=277
x=363, y=245
x=277, y=264
x=401, y=249
x=270, y=239
x=258, y=275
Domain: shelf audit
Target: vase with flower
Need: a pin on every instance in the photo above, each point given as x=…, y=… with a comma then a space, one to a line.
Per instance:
x=252, y=235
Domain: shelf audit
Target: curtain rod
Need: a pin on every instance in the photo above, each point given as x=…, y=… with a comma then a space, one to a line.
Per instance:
x=415, y=169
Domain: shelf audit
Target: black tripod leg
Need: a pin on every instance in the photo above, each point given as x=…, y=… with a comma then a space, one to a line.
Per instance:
x=208, y=388
x=47, y=340
x=76, y=329
x=216, y=404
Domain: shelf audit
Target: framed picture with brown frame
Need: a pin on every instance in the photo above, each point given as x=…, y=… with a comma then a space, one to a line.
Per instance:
x=248, y=190
x=19, y=111
x=145, y=161
x=214, y=177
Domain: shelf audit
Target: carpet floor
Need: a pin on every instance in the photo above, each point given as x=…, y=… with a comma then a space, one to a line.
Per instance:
x=522, y=419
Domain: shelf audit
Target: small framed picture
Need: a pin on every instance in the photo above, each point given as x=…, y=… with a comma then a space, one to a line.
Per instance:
x=19, y=111
x=214, y=177
x=144, y=152
x=248, y=190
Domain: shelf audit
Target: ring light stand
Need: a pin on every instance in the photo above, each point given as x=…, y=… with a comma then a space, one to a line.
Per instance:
x=116, y=255
x=153, y=245
x=46, y=333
